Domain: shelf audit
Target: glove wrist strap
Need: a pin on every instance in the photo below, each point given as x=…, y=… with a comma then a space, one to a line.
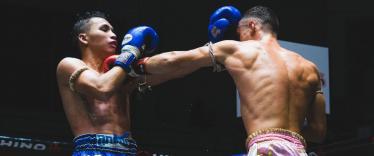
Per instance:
x=216, y=66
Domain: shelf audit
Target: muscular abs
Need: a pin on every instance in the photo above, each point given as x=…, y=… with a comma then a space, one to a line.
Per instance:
x=95, y=116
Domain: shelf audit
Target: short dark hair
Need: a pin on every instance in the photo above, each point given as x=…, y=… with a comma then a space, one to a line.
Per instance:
x=266, y=16
x=81, y=25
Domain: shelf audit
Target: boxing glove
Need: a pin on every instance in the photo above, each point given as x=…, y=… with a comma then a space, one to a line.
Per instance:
x=108, y=63
x=138, y=41
x=220, y=21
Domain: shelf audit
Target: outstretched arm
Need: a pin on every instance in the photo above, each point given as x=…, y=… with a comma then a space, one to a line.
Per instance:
x=175, y=64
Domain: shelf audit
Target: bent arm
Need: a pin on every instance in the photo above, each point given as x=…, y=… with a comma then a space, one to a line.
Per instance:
x=315, y=131
x=175, y=64
x=89, y=82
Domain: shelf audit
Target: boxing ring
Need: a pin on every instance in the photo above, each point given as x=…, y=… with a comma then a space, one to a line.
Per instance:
x=32, y=146
x=22, y=145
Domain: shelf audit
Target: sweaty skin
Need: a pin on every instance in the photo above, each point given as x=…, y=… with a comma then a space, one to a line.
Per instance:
x=100, y=102
x=277, y=87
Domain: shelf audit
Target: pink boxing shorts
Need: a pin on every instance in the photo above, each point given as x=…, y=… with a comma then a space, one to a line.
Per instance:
x=275, y=142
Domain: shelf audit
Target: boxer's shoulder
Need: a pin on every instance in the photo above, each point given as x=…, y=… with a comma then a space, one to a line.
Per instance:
x=69, y=65
x=227, y=46
x=70, y=60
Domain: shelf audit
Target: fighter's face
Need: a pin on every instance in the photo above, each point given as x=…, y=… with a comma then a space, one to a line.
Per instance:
x=100, y=36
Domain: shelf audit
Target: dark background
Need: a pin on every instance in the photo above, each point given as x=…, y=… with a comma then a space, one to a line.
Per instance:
x=195, y=114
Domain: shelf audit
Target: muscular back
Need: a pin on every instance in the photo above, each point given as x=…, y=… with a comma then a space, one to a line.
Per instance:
x=276, y=86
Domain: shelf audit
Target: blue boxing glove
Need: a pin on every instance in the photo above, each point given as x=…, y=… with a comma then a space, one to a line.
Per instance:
x=221, y=20
x=138, y=41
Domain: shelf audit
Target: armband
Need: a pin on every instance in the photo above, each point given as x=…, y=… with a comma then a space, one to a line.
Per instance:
x=216, y=66
x=75, y=76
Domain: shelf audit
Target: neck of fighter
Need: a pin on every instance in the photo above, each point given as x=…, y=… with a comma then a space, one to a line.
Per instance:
x=268, y=38
x=93, y=59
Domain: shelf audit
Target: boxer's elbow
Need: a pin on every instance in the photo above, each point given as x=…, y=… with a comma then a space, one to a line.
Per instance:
x=171, y=59
x=168, y=61
x=102, y=92
x=321, y=130
x=317, y=133
x=320, y=133
x=163, y=63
